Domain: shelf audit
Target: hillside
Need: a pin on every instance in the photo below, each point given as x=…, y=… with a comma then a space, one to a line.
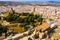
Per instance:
x=50, y=3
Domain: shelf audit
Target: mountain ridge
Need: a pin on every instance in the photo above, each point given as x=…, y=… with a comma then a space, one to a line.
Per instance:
x=30, y=3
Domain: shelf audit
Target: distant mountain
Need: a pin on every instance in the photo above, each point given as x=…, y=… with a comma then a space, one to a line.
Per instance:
x=54, y=2
x=11, y=3
x=30, y=3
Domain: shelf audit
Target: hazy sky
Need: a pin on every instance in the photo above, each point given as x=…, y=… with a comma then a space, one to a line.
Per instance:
x=30, y=0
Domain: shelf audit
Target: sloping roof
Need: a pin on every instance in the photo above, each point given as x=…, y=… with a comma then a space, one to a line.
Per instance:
x=44, y=26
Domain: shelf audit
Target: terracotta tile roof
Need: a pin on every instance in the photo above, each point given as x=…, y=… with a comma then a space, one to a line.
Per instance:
x=44, y=26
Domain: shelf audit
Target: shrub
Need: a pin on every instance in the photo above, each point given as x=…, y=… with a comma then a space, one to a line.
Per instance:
x=25, y=34
x=36, y=36
x=29, y=33
x=29, y=38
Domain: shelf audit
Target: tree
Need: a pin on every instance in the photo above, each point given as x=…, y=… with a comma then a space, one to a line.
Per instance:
x=36, y=36
x=3, y=29
x=0, y=17
x=20, y=20
x=29, y=38
x=11, y=17
x=40, y=19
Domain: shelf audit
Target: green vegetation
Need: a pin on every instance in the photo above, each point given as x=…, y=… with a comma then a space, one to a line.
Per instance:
x=19, y=29
x=11, y=17
x=36, y=36
x=0, y=17
x=30, y=32
x=25, y=18
x=3, y=29
x=29, y=38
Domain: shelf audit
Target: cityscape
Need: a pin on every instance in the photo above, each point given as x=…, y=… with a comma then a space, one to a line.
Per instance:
x=29, y=20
